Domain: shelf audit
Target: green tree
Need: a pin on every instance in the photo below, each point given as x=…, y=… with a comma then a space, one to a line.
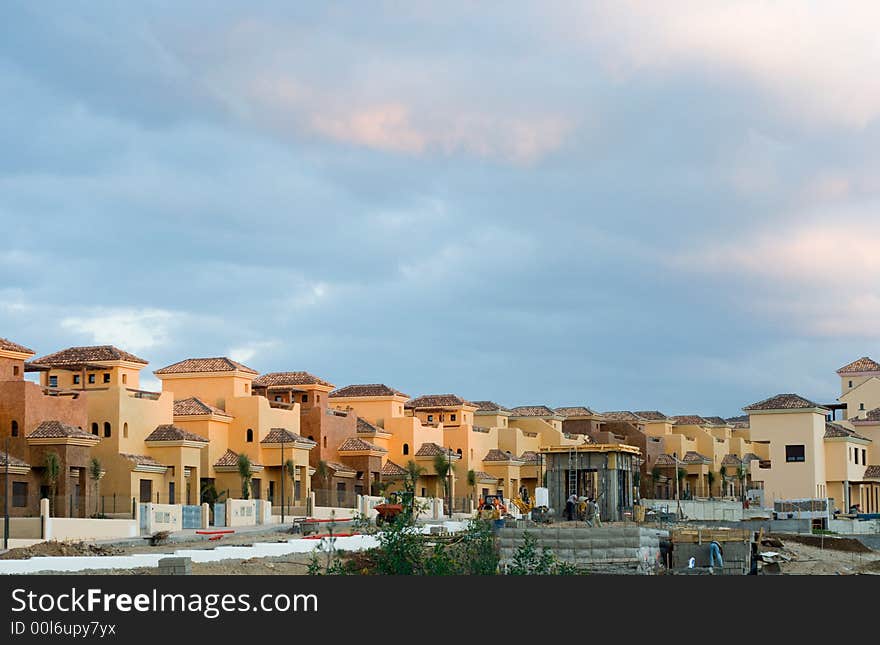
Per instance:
x=682, y=473
x=442, y=467
x=410, y=480
x=51, y=473
x=722, y=474
x=655, y=478
x=245, y=473
x=711, y=477
x=290, y=471
x=95, y=473
x=472, y=483
x=322, y=472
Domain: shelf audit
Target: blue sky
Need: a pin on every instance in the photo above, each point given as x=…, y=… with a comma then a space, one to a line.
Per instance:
x=617, y=204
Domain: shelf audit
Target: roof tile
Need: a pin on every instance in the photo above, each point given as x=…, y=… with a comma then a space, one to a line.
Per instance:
x=368, y=389
x=533, y=411
x=358, y=444
x=198, y=365
x=194, y=406
x=87, y=354
x=54, y=429
x=171, y=432
x=436, y=401
x=783, y=402
x=864, y=364
x=9, y=346
x=289, y=378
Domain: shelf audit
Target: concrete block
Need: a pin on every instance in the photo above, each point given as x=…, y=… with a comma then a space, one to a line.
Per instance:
x=568, y=544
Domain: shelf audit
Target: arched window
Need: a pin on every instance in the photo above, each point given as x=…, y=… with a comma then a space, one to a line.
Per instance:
x=250, y=435
x=125, y=430
x=406, y=448
x=311, y=438
x=106, y=428
x=14, y=428
x=459, y=452
x=95, y=428
x=325, y=442
x=125, y=379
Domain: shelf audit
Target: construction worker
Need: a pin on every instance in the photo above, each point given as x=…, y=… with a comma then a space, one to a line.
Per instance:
x=715, y=553
x=570, y=507
x=593, y=518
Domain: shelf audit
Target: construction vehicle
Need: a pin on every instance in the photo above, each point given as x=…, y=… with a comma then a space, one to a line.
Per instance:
x=524, y=506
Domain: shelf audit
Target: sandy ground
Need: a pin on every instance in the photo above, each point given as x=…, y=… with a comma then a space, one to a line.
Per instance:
x=808, y=559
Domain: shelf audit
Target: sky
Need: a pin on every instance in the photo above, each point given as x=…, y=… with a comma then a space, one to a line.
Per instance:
x=625, y=205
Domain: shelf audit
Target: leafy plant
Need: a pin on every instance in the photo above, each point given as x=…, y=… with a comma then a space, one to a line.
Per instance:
x=290, y=471
x=246, y=473
x=710, y=477
x=95, y=473
x=529, y=561
x=442, y=466
x=51, y=473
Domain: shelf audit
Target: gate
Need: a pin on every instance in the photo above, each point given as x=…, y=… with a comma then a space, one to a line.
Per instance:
x=219, y=514
x=192, y=517
x=144, y=512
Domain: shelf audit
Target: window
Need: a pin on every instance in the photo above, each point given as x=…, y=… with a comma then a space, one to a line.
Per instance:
x=850, y=383
x=325, y=442
x=14, y=428
x=795, y=453
x=76, y=379
x=305, y=398
x=95, y=431
x=15, y=370
x=317, y=398
x=861, y=406
x=19, y=494
x=125, y=430
x=406, y=448
x=106, y=428
x=53, y=381
x=91, y=379
x=864, y=458
x=452, y=417
x=278, y=398
x=125, y=379
x=106, y=377
x=250, y=435
x=424, y=493
x=441, y=418
x=146, y=490
x=430, y=418
x=246, y=388
x=311, y=438
x=459, y=452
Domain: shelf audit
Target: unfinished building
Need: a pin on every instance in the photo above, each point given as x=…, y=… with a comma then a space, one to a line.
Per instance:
x=604, y=472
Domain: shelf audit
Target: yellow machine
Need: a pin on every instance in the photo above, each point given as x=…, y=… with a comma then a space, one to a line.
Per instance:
x=524, y=507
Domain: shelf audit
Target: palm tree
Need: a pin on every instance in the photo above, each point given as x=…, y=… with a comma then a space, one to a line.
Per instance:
x=95, y=475
x=655, y=478
x=51, y=473
x=322, y=471
x=722, y=472
x=410, y=479
x=710, y=477
x=682, y=473
x=245, y=472
x=743, y=474
x=472, y=483
x=442, y=466
x=290, y=470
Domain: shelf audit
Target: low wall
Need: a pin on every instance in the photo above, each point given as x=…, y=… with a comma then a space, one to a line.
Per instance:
x=623, y=549
x=854, y=527
x=241, y=512
x=698, y=509
x=70, y=528
x=23, y=528
x=737, y=556
x=263, y=512
x=324, y=512
x=159, y=517
x=769, y=526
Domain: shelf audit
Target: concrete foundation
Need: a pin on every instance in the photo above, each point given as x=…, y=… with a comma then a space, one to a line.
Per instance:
x=619, y=550
x=175, y=567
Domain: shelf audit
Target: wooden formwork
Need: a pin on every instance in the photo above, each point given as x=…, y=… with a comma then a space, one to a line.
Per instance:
x=700, y=536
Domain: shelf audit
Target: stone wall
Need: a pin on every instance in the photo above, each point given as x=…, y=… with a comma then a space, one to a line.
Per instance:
x=624, y=549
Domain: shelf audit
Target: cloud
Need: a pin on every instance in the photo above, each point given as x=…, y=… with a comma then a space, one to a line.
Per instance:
x=815, y=60
x=135, y=330
x=247, y=352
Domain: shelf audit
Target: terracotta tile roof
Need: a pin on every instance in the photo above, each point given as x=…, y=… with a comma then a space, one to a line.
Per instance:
x=651, y=415
x=392, y=470
x=9, y=346
x=872, y=472
x=171, y=432
x=141, y=460
x=356, y=443
x=229, y=458
x=12, y=459
x=489, y=406
x=194, y=406
x=499, y=455
x=664, y=460
x=749, y=457
x=693, y=457
x=717, y=421
x=530, y=457
x=621, y=415
x=369, y=389
x=196, y=365
x=340, y=468
x=731, y=460
x=56, y=430
x=483, y=476
x=688, y=420
x=533, y=411
x=289, y=378
x=783, y=402
x=574, y=411
x=870, y=416
x=864, y=364
x=89, y=354
x=430, y=449
x=436, y=401
x=366, y=427
x=740, y=421
x=834, y=430
x=279, y=435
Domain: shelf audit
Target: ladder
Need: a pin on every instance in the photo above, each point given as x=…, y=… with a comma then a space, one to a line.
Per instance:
x=572, y=473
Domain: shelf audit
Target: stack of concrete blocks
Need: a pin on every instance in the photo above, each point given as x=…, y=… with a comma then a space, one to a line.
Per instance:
x=175, y=567
x=614, y=549
x=737, y=557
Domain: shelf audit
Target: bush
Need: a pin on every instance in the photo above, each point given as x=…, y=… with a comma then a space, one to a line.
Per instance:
x=528, y=561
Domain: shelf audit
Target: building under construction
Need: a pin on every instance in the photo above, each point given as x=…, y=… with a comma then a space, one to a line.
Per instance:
x=602, y=471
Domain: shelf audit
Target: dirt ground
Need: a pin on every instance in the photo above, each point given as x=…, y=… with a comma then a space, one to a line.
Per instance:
x=811, y=559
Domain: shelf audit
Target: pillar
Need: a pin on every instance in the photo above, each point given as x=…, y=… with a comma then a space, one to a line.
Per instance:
x=179, y=481
x=206, y=515
x=46, y=529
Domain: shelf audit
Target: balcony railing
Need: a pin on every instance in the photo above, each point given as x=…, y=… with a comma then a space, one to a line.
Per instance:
x=144, y=394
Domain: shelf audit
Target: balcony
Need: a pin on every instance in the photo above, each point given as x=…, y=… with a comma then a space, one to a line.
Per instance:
x=144, y=394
